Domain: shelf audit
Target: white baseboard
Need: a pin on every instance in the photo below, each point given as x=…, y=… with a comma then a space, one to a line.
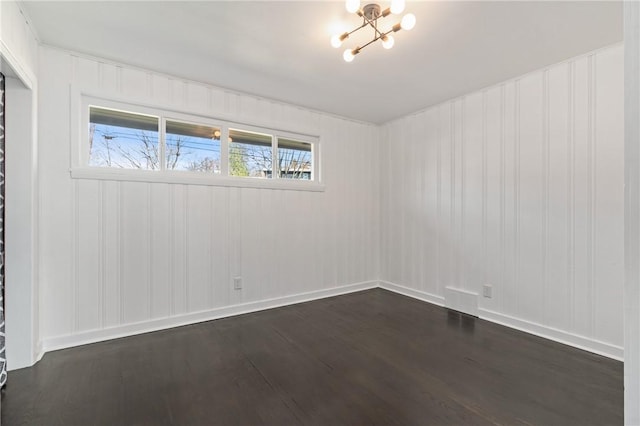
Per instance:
x=581, y=342
x=416, y=294
x=39, y=351
x=62, y=342
x=560, y=336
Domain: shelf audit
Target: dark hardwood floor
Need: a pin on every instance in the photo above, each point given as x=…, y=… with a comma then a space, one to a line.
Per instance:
x=372, y=357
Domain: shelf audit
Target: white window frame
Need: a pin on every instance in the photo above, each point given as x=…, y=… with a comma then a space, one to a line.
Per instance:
x=80, y=168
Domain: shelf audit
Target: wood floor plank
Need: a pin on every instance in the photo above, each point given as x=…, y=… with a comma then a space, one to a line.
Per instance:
x=372, y=357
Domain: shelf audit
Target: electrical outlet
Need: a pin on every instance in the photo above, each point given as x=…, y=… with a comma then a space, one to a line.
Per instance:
x=486, y=291
x=237, y=283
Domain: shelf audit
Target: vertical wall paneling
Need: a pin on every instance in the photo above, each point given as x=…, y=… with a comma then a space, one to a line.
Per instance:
x=134, y=231
x=87, y=250
x=235, y=242
x=55, y=191
x=120, y=253
x=404, y=152
x=591, y=193
x=424, y=161
x=491, y=197
x=210, y=249
x=185, y=247
x=73, y=63
x=160, y=251
x=608, y=154
x=454, y=234
x=516, y=196
x=580, y=196
x=110, y=254
x=123, y=257
x=75, y=249
x=199, y=259
x=18, y=60
x=508, y=211
x=149, y=253
x=544, y=189
x=632, y=212
x=484, y=196
x=530, y=178
x=171, y=249
x=558, y=225
x=102, y=254
x=417, y=164
x=528, y=199
x=570, y=170
x=460, y=225
x=439, y=287
x=471, y=194
x=513, y=186
x=503, y=199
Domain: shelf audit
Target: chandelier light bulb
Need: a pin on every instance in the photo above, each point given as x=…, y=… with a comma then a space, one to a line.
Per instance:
x=353, y=6
x=348, y=55
x=397, y=6
x=387, y=42
x=408, y=21
x=335, y=41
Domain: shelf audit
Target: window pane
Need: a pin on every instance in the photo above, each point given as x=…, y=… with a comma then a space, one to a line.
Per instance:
x=250, y=154
x=192, y=147
x=123, y=139
x=294, y=159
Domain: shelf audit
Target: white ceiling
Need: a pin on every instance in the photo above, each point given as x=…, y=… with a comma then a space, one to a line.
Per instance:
x=281, y=50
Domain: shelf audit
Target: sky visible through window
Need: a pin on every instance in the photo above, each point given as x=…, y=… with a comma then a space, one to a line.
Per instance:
x=124, y=147
x=121, y=139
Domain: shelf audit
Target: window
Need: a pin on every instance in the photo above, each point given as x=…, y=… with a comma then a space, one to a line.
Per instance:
x=294, y=159
x=129, y=142
x=250, y=154
x=192, y=147
x=123, y=139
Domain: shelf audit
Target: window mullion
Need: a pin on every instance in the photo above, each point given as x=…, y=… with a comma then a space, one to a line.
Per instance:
x=224, y=151
x=275, y=166
x=315, y=171
x=162, y=143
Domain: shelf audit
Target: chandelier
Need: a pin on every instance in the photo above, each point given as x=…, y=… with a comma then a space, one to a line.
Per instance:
x=370, y=15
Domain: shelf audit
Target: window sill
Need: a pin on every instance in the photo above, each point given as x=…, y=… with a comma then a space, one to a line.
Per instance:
x=187, y=178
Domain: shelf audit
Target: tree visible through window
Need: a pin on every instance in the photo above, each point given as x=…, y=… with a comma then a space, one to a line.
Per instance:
x=192, y=147
x=294, y=159
x=250, y=154
x=122, y=139
x=128, y=140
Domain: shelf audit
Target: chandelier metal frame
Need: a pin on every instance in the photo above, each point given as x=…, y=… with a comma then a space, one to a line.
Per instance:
x=370, y=15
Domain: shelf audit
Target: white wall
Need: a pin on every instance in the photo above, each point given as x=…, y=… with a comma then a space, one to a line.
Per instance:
x=632, y=214
x=18, y=44
x=123, y=257
x=520, y=186
x=18, y=61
